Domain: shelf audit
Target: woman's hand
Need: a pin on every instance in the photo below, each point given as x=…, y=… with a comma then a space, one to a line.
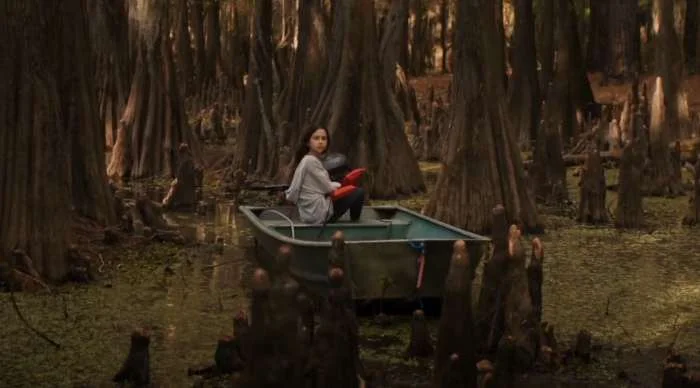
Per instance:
x=335, y=185
x=281, y=198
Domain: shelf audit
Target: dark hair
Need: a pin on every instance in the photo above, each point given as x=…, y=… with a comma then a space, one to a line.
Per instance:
x=303, y=147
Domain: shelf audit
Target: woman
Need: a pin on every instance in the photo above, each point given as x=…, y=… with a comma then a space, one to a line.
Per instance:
x=311, y=186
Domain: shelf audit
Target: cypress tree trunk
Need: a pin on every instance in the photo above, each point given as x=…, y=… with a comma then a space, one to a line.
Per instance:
x=663, y=175
x=624, y=55
x=256, y=142
x=524, y=94
x=483, y=164
x=545, y=44
x=212, y=34
x=153, y=123
x=360, y=111
x=306, y=73
x=183, y=46
x=51, y=150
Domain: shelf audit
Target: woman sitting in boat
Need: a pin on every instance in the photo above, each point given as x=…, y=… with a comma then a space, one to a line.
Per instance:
x=319, y=199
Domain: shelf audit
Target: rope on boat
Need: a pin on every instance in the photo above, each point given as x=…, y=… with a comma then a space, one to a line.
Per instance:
x=291, y=223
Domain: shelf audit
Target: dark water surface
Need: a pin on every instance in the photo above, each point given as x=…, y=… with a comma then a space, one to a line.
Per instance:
x=634, y=291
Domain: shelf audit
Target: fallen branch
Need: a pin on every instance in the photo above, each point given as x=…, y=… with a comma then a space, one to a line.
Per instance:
x=49, y=289
x=21, y=317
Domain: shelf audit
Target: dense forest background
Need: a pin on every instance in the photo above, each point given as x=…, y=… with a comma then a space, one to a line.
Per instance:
x=530, y=87
x=131, y=130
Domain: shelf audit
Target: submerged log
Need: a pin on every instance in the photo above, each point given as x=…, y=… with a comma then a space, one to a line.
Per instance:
x=136, y=367
x=592, y=207
x=420, y=344
x=456, y=331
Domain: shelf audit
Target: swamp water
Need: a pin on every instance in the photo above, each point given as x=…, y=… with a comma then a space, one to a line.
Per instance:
x=634, y=291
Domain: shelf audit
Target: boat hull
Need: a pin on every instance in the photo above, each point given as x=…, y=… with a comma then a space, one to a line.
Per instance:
x=379, y=268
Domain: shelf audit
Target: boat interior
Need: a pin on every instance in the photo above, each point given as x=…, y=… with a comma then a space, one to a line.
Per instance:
x=375, y=223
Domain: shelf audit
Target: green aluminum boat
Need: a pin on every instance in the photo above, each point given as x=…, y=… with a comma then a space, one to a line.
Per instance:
x=388, y=245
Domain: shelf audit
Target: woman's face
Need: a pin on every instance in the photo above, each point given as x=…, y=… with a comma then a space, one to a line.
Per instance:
x=318, y=141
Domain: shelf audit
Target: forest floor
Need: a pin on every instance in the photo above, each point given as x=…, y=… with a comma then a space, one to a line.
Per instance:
x=635, y=291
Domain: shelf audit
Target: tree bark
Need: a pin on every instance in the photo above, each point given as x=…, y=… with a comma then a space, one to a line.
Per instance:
x=570, y=52
x=153, y=123
x=50, y=146
x=183, y=48
x=593, y=188
x=524, y=93
x=394, y=40
x=624, y=55
x=420, y=38
x=110, y=37
x=235, y=45
x=693, y=215
x=548, y=172
x=197, y=28
x=690, y=36
x=444, y=28
x=545, y=46
x=359, y=110
x=393, y=43
x=669, y=66
x=629, y=212
x=306, y=73
x=456, y=327
x=598, y=36
x=212, y=33
x=256, y=141
x=484, y=166
x=662, y=177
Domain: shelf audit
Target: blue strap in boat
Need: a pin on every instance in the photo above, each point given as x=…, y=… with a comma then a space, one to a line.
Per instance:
x=417, y=245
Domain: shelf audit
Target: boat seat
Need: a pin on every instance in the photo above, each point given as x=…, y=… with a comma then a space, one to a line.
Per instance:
x=272, y=217
x=277, y=223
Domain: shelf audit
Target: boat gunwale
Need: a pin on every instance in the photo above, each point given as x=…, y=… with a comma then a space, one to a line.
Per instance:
x=247, y=210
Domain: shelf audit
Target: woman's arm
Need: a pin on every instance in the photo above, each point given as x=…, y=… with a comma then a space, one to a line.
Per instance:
x=292, y=192
x=321, y=178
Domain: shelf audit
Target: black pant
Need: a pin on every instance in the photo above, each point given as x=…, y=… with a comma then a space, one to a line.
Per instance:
x=353, y=202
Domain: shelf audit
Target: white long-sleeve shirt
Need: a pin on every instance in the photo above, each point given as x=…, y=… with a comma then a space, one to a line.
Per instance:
x=309, y=190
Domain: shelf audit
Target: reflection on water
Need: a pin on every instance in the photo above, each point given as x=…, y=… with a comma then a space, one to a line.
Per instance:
x=630, y=289
x=185, y=297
